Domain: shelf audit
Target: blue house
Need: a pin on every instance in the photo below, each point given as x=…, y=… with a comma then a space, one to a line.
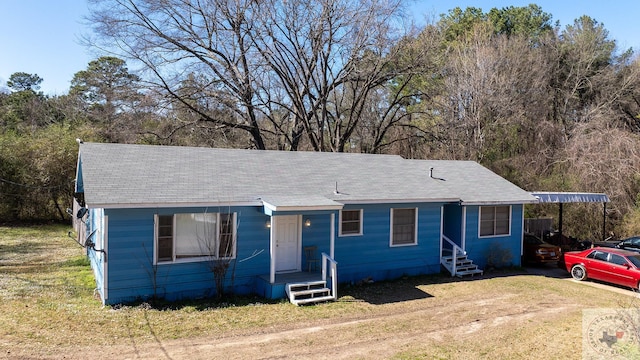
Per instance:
x=185, y=222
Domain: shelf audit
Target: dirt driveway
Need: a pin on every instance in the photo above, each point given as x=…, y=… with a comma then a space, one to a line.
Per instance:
x=349, y=339
x=534, y=315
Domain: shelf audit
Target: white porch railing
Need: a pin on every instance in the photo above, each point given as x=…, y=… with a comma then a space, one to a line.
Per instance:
x=455, y=252
x=333, y=272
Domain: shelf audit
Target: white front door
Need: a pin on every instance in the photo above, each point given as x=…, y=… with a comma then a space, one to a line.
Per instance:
x=287, y=241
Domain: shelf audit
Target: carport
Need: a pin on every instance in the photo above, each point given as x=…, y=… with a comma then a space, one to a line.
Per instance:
x=574, y=197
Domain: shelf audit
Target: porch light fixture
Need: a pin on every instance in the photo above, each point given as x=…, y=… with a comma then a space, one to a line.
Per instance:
x=268, y=224
x=307, y=223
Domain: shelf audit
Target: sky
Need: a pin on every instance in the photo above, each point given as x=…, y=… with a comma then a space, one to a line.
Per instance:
x=43, y=36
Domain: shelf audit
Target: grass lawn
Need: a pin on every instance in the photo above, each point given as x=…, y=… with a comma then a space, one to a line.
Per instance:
x=48, y=309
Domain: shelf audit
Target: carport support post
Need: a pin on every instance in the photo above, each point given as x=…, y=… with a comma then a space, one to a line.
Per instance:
x=604, y=223
x=560, y=222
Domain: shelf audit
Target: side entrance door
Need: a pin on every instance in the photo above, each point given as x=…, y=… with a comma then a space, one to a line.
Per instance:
x=287, y=238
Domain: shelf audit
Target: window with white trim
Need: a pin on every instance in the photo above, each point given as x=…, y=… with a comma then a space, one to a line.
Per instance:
x=404, y=230
x=495, y=220
x=350, y=222
x=194, y=237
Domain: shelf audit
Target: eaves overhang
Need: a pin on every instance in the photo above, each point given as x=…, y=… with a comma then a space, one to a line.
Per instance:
x=299, y=203
x=136, y=205
x=498, y=202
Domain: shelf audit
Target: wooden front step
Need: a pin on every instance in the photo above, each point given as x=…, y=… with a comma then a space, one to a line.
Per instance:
x=464, y=266
x=476, y=271
x=308, y=292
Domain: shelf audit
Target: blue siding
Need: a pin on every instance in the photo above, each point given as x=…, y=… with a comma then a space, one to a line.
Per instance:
x=370, y=256
x=133, y=276
x=479, y=248
x=318, y=234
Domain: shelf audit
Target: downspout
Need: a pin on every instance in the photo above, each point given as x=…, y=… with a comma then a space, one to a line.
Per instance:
x=522, y=236
x=332, y=238
x=463, y=240
x=105, y=264
x=272, y=252
x=441, y=231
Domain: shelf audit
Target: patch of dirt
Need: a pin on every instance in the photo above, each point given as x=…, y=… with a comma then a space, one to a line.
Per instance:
x=395, y=327
x=465, y=320
x=336, y=340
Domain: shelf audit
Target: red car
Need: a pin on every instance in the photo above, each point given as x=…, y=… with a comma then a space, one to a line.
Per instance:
x=616, y=266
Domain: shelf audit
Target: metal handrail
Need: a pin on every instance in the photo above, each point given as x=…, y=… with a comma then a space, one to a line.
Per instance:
x=454, y=254
x=333, y=269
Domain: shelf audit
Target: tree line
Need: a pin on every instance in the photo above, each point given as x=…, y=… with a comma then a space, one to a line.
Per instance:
x=550, y=108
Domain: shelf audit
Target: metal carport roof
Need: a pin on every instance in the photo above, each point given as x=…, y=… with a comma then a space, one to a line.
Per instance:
x=574, y=197
x=570, y=197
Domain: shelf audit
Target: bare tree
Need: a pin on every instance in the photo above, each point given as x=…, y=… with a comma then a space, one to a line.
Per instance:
x=495, y=94
x=224, y=259
x=301, y=59
x=215, y=242
x=172, y=39
x=330, y=58
x=628, y=96
x=604, y=159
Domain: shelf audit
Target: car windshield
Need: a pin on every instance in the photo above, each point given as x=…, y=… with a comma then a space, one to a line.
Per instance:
x=635, y=259
x=631, y=241
x=532, y=240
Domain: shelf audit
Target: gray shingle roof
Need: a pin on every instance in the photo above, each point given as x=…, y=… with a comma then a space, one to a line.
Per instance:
x=121, y=175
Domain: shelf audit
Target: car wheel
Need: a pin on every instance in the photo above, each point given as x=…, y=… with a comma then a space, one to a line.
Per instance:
x=579, y=272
